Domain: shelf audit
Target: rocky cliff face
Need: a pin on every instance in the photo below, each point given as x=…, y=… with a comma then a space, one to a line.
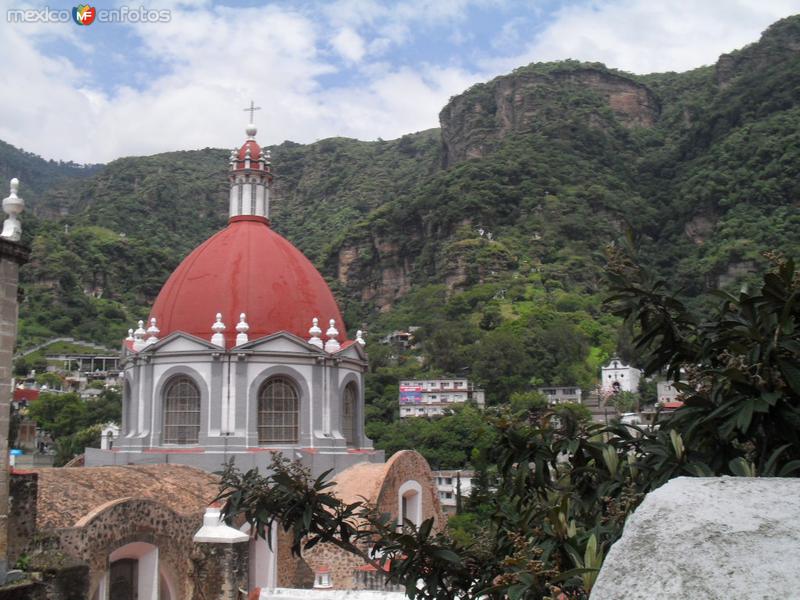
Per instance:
x=779, y=43
x=377, y=270
x=475, y=122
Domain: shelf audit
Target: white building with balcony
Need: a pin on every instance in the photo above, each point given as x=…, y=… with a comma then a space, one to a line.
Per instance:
x=431, y=397
x=449, y=484
x=561, y=394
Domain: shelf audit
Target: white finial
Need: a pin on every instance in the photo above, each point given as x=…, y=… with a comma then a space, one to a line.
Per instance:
x=232, y=158
x=13, y=206
x=152, y=332
x=130, y=336
x=315, y=332
x=138, y=337
x=269, y=156
x=360, y=338
x=218, y=327
x=332, y=344
x=242, y=328
x=251, y=130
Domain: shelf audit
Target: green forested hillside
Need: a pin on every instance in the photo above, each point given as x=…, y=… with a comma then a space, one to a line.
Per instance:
x=551, y=162
x=38, y=173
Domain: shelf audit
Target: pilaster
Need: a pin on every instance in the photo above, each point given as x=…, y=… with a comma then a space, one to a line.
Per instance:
x=12, y=255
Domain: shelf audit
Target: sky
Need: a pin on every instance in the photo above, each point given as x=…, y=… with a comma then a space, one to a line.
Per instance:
x=359, y=68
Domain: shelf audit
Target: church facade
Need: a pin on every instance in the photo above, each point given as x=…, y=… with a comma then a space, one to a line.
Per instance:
x=244, y=353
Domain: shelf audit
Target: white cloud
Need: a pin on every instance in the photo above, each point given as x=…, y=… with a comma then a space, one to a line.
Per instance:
x=349, y=45
x=645, y=36
x=213, y=60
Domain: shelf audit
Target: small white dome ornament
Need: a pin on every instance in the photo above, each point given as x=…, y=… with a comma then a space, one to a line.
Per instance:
x=315, y=332
x=138, y=337
x=251, y=130
x=241, y=330
x=360, y=338
x=152, y=332
x=13, y=205
x=130, y=336
x=218, y=327
x=332, y=345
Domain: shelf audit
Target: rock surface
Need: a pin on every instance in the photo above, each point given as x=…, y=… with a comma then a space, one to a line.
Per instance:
x=474, y=122
x=711, y=538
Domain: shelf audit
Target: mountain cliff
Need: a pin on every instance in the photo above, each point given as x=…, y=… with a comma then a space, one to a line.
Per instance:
x=487, y=233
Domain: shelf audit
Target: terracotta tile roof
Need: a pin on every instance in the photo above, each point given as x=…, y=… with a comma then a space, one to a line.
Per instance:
x=65, y=495
x=25, y=394
x=672, y=404
x=360, y=481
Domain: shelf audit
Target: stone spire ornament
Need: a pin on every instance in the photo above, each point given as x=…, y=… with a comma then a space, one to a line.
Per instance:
x=332, y=344
x=13, y=205
x=241, y=330
x=360, y=338
x=130, y=336
x=138, y=337
x=315, y=332
x=152, y=332
x=218, y=339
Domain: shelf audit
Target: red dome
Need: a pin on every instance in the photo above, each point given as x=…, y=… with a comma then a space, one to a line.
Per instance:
x=246, y=268
x=255, y=150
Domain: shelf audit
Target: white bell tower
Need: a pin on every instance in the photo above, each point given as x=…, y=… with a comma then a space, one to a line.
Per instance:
x=250, y=176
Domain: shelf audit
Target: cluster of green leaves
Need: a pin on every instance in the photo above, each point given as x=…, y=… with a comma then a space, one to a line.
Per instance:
x=743, y=382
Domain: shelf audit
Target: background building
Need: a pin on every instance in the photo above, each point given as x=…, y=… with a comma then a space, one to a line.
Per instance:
x=559, y=394
x=431, y=397
x=616, y=376
x=448, y=486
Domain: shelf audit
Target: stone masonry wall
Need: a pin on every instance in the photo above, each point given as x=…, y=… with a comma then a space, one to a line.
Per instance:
x=12, y=255
x=22, y=515
x=292, y=571
x=221, y=570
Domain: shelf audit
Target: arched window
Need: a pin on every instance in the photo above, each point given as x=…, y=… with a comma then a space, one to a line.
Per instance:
x=278, y=412
x=181, y=412
x=349, y=405
x=410, y=501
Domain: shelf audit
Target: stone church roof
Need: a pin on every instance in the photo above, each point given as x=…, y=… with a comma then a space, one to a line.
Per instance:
x=65, y=495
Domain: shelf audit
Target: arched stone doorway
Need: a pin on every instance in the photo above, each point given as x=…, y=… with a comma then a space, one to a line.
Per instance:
x=134, y=573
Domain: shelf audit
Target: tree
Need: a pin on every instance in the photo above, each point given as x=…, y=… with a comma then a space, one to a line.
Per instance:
x=60, y=414
x=565, y=486
x=75, y=424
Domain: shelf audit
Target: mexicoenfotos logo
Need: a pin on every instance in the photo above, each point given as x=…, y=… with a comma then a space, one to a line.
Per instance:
x=83, y=14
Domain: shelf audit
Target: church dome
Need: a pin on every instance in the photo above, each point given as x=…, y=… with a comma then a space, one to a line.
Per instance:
x=245, y=268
